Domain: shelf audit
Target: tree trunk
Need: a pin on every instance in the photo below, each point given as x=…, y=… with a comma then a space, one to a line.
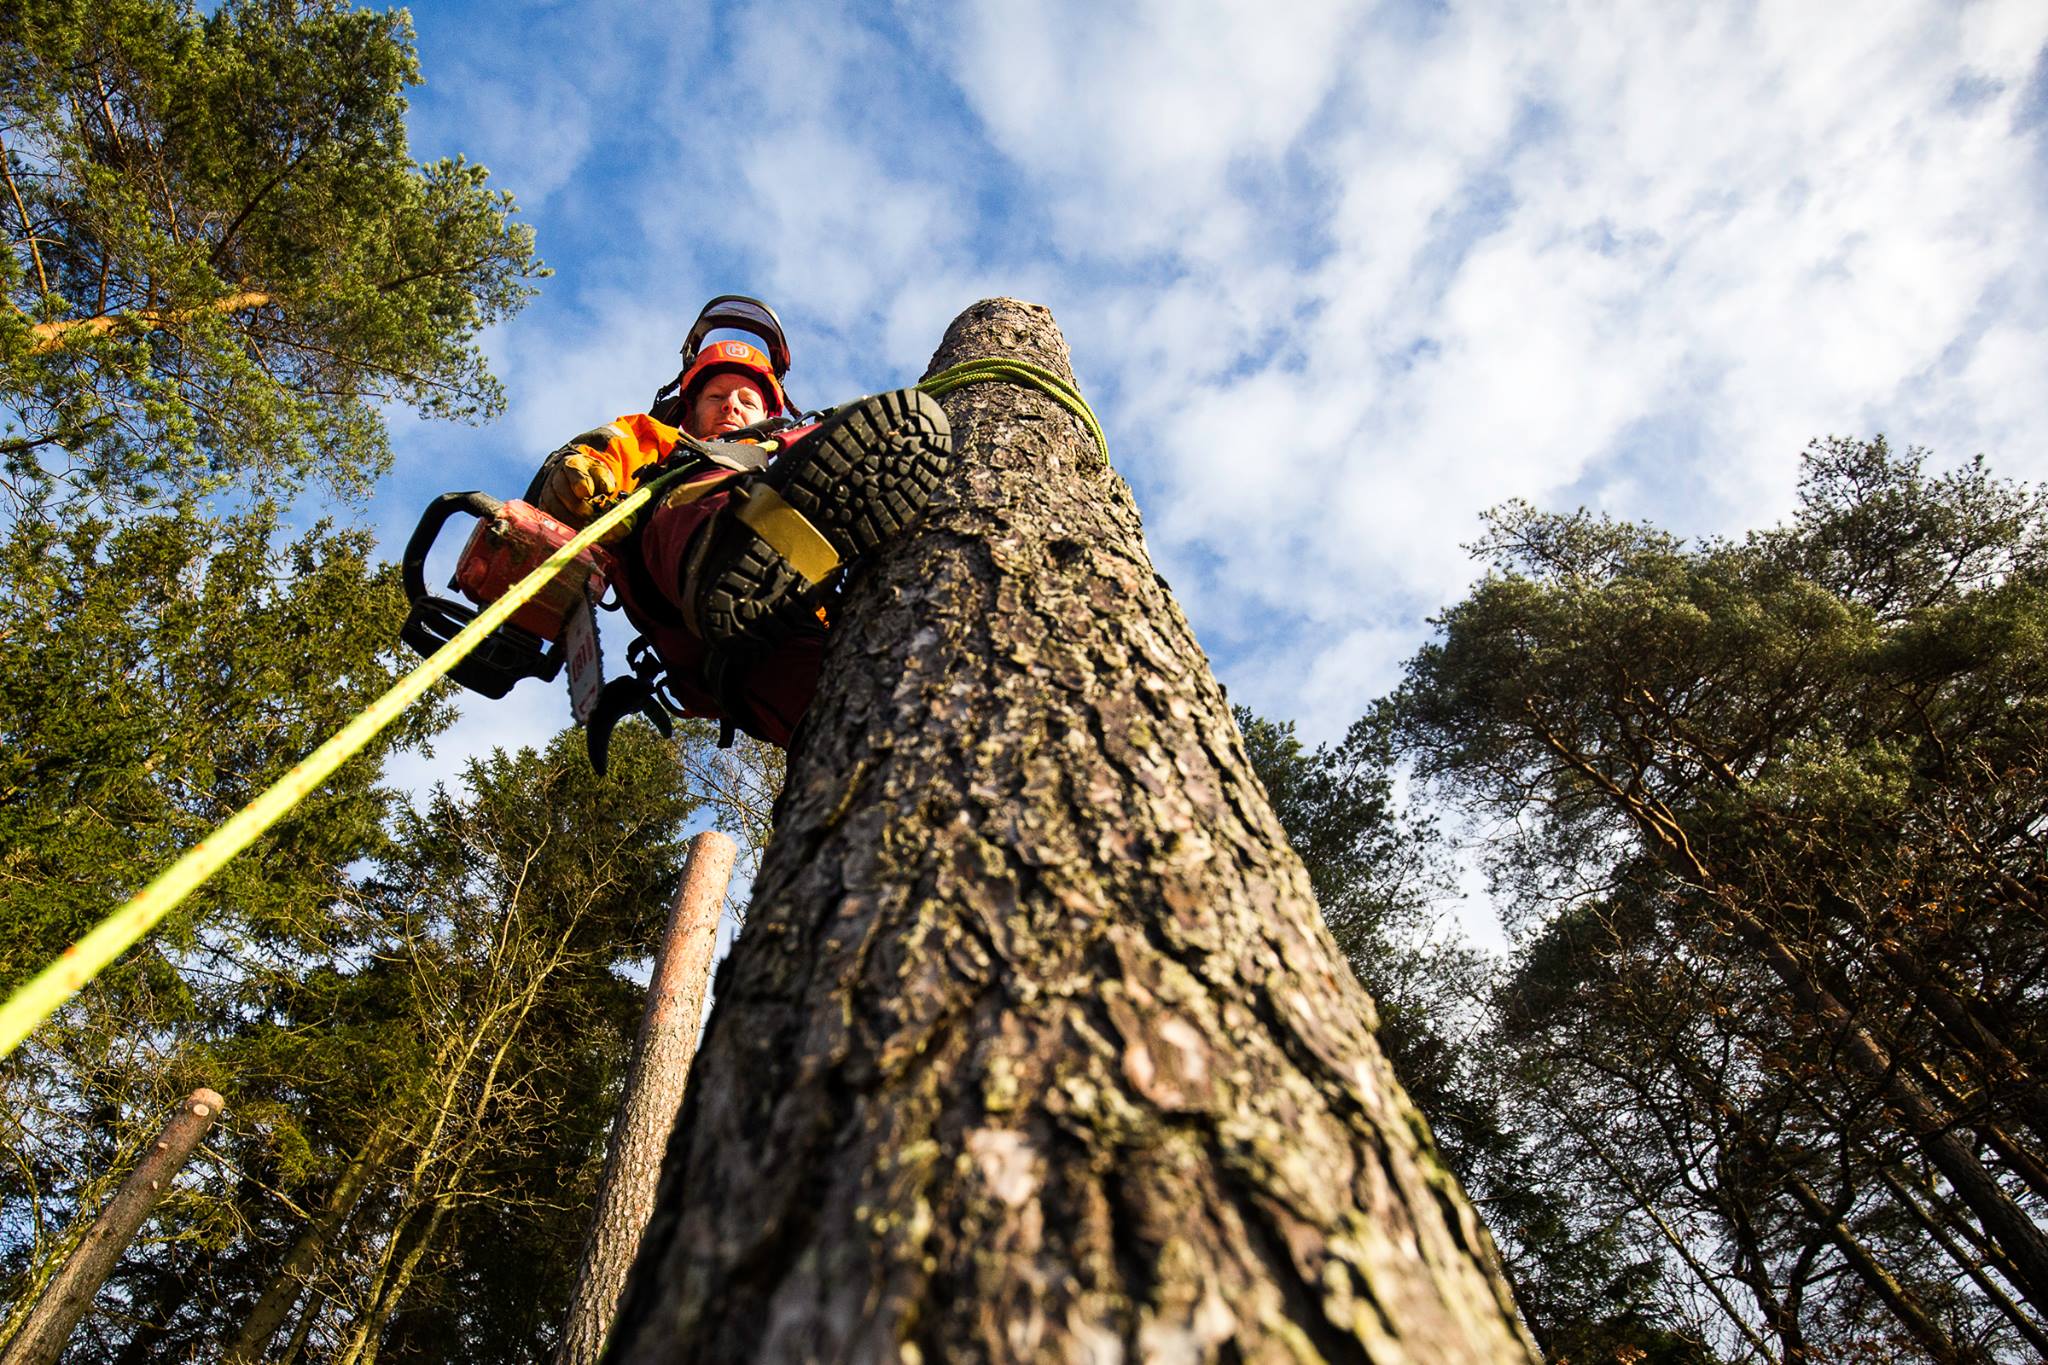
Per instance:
x=275, y=1305
x=1902, y=1302
x=52, y=336
x=41, y=1338
x=367, y=1338
x=1035, y=1046
x=654, y=1089
x=295, y=1345
x=1847, y=1040
x=1995, y=1066
x=1932, y=1127
x=1968, y=1264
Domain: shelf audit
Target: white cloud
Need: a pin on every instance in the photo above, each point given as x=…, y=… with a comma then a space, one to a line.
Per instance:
x=607, y=359
x=1156, y=103
x=1340, y=278
x=1524, y=246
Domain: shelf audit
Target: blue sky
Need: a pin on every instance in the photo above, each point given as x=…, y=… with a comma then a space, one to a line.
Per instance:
x=1336, y=277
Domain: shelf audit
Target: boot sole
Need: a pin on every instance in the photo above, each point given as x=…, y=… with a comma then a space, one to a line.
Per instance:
x=863, y=477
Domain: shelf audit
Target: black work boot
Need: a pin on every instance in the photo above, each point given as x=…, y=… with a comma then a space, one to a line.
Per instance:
x=861, y=477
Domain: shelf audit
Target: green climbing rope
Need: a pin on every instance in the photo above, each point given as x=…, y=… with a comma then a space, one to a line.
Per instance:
x=42, y=995
x=1001, y=370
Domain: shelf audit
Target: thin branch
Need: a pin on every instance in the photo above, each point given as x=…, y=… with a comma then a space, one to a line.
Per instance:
x=27, y=226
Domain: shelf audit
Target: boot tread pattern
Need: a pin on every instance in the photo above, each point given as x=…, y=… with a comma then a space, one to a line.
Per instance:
x=864, y=477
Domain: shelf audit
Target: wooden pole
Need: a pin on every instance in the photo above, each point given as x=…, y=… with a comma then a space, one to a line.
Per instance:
x=41, y=1339
x=654, y=1091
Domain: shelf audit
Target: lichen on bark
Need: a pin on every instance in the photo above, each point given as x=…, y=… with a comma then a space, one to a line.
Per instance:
x=1035, y=1046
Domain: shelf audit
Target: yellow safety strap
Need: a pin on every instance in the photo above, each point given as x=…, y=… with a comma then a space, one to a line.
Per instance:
x=40, y=997
x=790, y=534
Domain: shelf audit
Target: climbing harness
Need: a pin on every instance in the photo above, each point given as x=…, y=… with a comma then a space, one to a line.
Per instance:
x=466, y=633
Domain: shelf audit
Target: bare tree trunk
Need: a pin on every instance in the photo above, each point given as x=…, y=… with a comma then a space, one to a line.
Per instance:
x=1904, y=1304
x=1932, y=1127
x=285, y=1286
x=369, y=1332
x=295, y=1344
x=1036, y=1046
x=67, y=1297
x=1990, y=1057
x=654, y=1090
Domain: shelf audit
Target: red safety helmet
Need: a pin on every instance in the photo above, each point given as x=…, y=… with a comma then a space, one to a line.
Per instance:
x=735, y=357
x=735, y=312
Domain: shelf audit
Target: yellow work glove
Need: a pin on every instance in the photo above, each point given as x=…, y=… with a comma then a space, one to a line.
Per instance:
x=577, y=489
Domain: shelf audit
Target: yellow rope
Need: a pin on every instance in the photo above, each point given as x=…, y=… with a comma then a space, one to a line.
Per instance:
x=46, y=992
x=43, y=995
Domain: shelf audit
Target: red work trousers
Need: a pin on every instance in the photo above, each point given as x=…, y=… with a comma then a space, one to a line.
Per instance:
x=765, y=693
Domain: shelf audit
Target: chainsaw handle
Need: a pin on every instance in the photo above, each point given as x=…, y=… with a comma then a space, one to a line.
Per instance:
x=479, y=505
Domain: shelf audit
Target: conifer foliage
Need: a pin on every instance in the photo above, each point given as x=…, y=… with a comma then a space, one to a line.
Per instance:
x=222, y=258
x=220, y=263
x=1770, y=814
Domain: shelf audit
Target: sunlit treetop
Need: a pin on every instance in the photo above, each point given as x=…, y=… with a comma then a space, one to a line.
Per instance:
x=221, y=259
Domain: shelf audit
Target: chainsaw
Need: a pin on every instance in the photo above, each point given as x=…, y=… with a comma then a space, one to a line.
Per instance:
x=511, y=540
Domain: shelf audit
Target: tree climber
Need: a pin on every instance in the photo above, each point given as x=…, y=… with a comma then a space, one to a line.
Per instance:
x=726, y=577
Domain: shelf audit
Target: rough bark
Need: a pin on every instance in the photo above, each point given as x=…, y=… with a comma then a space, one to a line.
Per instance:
x=1035, y=1046
x=67, y=1297
x=654, y=1089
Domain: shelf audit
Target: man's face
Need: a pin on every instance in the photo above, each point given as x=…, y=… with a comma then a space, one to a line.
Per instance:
x=726, y=402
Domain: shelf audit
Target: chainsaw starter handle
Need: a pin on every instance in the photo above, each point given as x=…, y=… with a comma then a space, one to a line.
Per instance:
x=478, y=504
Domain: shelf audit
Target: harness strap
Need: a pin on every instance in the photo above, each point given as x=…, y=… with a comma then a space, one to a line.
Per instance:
x=789, y=533
x=648, y=596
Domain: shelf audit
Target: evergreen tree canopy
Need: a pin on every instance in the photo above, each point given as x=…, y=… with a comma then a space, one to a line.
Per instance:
x=1772, y=827
x=152, y=678
x=222, y=259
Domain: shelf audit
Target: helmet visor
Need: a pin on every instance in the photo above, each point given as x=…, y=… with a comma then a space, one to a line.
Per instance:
x=741, y=314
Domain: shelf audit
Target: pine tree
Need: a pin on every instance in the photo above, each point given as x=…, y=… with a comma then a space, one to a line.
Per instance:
x=222, y=260
x=489, y=1024
x=1772, y=818
x=152, y=678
